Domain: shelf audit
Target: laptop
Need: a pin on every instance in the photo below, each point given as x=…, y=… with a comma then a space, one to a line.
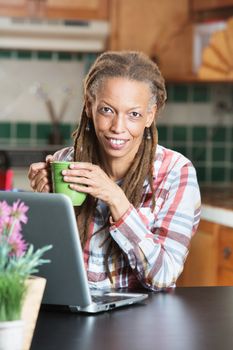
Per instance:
x=51, y=220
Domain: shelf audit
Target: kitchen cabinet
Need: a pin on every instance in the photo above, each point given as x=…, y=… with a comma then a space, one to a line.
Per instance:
x=200, y=5
x=207, y=10
x=225, y=257
x=69, y=9
x=210, y=261
x=76, y=9
x=201, y=264
x=15, y=7
x=160, y=29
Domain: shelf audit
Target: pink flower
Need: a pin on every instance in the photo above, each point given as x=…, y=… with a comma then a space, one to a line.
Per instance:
x=18, y=212
x=11, y=218
x=17, y=244
x=5, y=210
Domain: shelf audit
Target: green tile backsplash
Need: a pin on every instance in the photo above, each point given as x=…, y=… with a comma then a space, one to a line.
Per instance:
x=199, y=154
x=218, y=174
x=24, y=54
x=201, y=174
x=43, y=131
x=209, y=148
x=201, y=93
x=5, y=130
x=44, y=55
x=218, y=154
x=23, y=130
x=199, y=133
x=180, y=93
x=36, y=133
x=179, y=133
x=213, y=160
x=47, y=55
x=219, y=134
x=64, y=56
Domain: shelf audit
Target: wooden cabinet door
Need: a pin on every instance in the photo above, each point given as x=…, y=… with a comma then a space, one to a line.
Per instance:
x=202, y=5
x=63, y=9
x=76, y=9
x=225, y=257
x=158, y=28
x=201, y=266
x=14, y=7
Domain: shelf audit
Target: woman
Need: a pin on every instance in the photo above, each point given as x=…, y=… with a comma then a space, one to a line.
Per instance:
x=143, y=203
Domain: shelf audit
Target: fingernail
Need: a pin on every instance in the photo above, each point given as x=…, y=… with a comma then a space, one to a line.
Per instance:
x=64, y=172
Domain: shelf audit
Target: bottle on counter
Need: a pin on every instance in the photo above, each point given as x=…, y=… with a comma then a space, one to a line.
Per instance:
x=6, y=173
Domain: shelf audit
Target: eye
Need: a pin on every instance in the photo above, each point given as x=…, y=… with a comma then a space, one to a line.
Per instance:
x=135, y=114
x=106, y=110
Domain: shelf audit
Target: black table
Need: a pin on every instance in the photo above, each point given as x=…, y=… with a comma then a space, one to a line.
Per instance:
x=182, y=319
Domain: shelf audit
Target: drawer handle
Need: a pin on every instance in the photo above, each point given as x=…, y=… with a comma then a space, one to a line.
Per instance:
x=227, y=252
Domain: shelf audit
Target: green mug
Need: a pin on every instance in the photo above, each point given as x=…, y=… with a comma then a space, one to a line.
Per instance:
x=60, y=186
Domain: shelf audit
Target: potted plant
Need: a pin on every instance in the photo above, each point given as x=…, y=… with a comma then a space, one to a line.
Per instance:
x=18, y=261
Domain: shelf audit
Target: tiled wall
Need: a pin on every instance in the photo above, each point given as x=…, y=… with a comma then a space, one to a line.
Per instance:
x=209, y=148
x=198, y=122
x=197, y=119
x=31, y=134
x=24, y=117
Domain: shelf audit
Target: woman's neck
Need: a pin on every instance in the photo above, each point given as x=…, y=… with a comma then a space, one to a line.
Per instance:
x=116, y=168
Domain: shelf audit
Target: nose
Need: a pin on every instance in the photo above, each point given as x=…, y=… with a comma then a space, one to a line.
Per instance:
x=118, y=124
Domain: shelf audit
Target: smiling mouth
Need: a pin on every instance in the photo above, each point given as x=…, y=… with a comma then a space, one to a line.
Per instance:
x=116, y=142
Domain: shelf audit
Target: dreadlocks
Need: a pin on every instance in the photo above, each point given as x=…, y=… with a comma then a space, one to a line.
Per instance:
x=133, y=66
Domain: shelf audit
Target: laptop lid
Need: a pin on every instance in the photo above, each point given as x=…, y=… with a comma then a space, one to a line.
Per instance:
x=51, y=220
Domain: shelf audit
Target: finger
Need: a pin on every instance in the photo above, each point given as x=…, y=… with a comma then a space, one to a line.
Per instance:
x=49, y=158
x=77, y=173
x=79, y=180
x=81, y=188
x=83, y=165
x=35, y=168
x=41, y=176
x=42, y=188
x=43, y=185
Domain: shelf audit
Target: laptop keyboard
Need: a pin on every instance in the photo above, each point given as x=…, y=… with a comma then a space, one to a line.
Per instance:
x=104, y=299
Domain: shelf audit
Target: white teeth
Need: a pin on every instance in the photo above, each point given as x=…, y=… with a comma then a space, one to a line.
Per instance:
x=117, y=142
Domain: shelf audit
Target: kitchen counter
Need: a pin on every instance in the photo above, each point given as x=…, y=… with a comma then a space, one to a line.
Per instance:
x=217, y=205
x=21, y=156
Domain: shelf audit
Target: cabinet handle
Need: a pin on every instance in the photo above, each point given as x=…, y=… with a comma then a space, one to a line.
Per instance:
x=227, y=252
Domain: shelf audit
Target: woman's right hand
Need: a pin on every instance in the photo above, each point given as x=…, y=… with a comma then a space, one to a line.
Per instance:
x=39, y=175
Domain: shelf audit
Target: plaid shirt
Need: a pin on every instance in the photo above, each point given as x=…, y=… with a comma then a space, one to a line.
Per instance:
x=154, y=244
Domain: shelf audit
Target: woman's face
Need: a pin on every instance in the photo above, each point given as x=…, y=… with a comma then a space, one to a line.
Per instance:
x=120, y=114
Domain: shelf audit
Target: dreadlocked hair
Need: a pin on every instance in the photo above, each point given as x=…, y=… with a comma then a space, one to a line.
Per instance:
x=134, y=66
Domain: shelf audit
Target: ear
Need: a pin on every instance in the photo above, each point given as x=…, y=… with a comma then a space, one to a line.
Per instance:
x=151, y=116
x=88, y=109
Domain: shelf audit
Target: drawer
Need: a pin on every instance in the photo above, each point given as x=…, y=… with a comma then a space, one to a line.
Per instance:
x=226, y=247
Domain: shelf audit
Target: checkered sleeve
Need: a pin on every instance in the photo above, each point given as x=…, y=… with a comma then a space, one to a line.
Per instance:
x=156, y=249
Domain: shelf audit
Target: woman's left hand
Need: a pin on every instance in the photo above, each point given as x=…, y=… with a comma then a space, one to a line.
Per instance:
x=91, y=179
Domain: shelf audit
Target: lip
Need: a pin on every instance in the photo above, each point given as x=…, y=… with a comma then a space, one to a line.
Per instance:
x=116, y=146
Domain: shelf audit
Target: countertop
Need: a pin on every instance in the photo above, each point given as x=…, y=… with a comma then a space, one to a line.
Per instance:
x=22, y=156
x=193, y=318
x=217, y=205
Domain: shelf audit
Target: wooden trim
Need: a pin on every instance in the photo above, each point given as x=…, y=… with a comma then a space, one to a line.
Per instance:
x=101, y=13
x=114, y=17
